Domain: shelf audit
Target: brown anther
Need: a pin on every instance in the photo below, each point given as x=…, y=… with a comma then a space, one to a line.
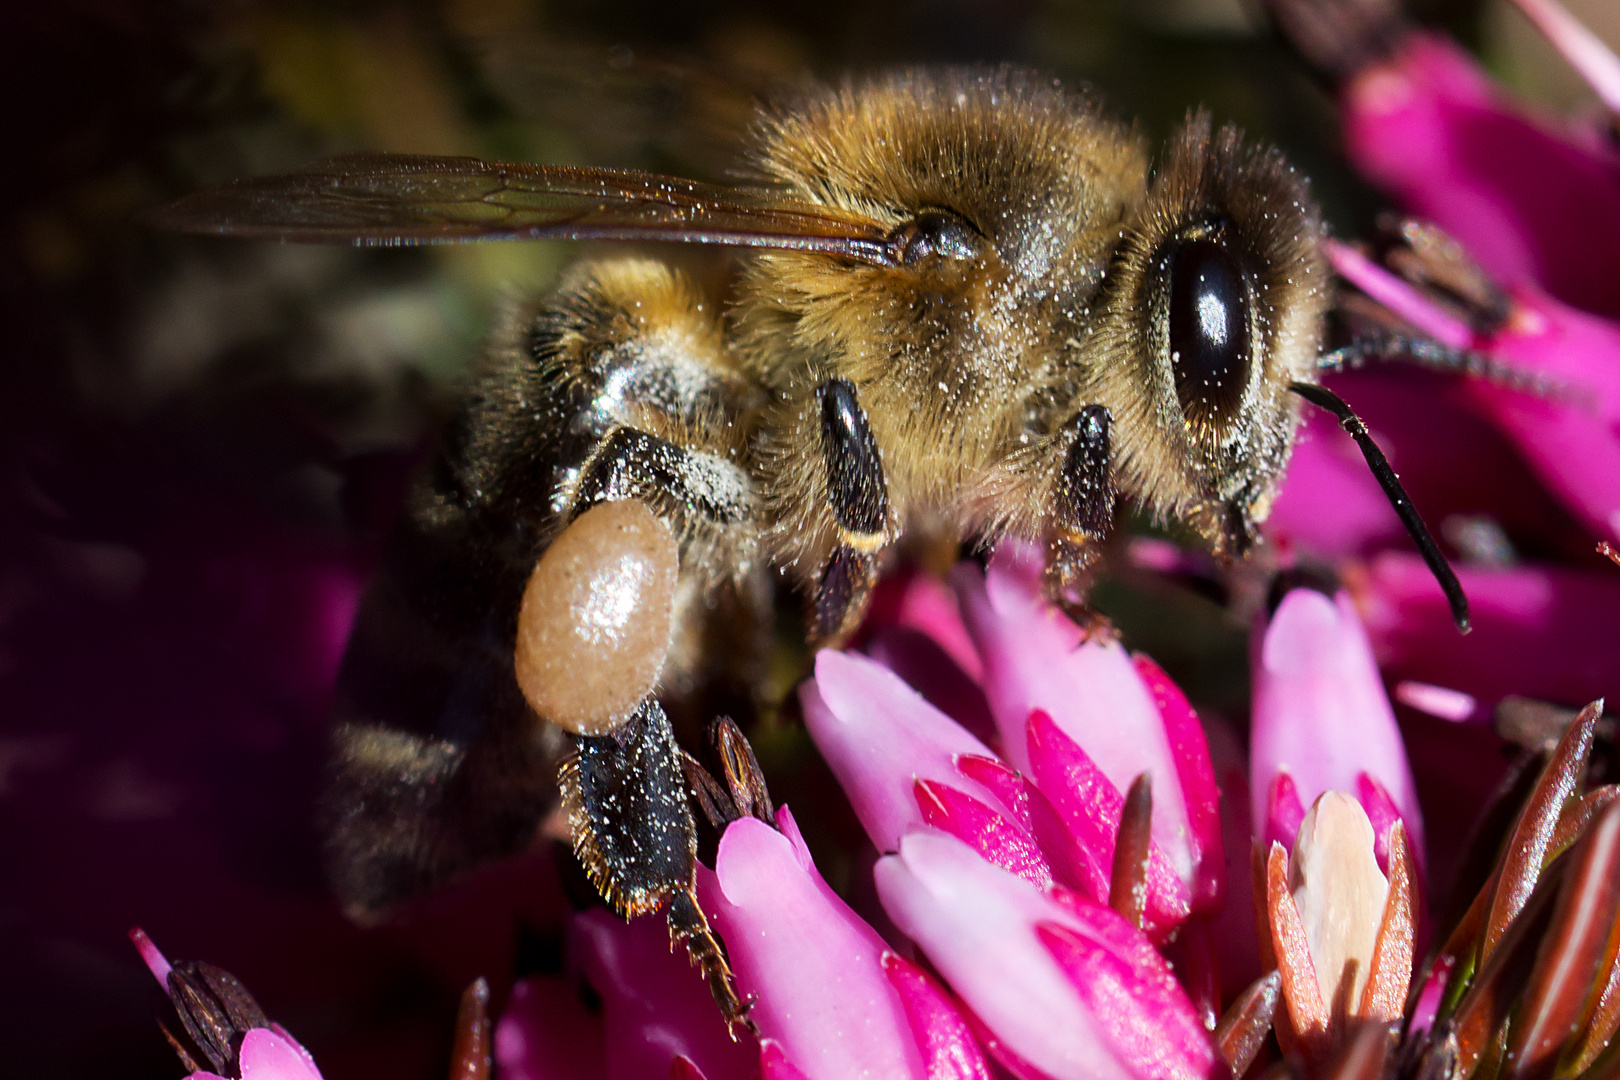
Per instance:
x=594, y=626
x=1127, y=888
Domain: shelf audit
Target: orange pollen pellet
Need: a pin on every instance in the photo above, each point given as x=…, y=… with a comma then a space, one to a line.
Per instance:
x=594, y=626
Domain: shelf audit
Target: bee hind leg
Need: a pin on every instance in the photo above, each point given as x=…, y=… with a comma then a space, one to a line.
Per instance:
x=625, y=795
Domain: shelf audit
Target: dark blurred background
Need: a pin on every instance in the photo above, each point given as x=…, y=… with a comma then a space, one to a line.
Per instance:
x=202, y=443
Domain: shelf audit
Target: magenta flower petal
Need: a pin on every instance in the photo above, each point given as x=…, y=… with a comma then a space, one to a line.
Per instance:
x=1381, y=812
x=977, y=923
x=1530, y=203
x=811, y=965
x=989, y=832
x=926, y=605
x=948, y=1047
x=1576, y=453
x=655, y=1004
x=878, y=735
x=1189, y=748
x=932, y=672
x=1090, y=806
x=774, y=1063
x=546, y=1033
x=1320, y=712
x=681, y=1068
x=1540, y=631
x=156, y=962
x=1036, y=815
x=1034, y=659
x=1136, y=1000
x=1284, y=811
x=267, y=1055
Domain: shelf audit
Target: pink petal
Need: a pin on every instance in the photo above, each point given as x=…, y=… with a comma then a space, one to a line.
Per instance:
x=1320, y=713
x=948, y=1048
x=156, y=962
x=1091, y=806
x=1285, y=813
x=1529, y=202
x=1330, y=504
x=977, y=924
x=774, y=1063
x=1572, y=443
x=1540, y=631
x=1036, y=815
x=877, y=735
x=926, y=605
x=1576, y=453
x=655, y=1004
x=267, y=1055
x=986, y=831
x=929, y=670
x=1189, y=747
x=1136, y=1000
x=545, y=1033
x=1441, y=701
x=810, y=964
x=1399, y=296
x=681, y=1068
x=1092, y=692
x=1381, y=812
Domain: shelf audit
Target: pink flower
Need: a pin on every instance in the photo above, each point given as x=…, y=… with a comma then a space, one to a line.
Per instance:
x=1064, y=988
x=1122, y=712
x=1539, y=631
x=655, y=1012
x=1572, y=442
x=904, y=763
x=1322, y=722
x=829, y=997
x=1534, y=203
x=226, y=1025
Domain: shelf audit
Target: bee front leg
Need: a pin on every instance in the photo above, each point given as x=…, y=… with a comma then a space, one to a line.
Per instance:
x=625, y=794
x=1082, y=514
x=858, y=495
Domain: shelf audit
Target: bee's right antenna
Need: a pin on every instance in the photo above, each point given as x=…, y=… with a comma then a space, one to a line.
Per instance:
x=1323, y=398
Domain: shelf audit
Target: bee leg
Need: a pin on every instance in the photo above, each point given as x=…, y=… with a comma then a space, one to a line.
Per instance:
x=625, y=796
x=631, y=464
x=1083, y=515
x=744, y=793
x=858, y=495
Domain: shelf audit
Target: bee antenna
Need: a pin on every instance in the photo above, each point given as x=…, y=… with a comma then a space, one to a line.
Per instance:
x=1323, y=398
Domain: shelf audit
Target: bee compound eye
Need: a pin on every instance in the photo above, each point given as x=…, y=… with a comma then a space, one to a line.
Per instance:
x=1209, y=328
x=594, y=625
x=937, y=232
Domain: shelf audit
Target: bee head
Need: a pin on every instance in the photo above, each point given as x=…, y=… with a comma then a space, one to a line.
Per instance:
x=1211, y=308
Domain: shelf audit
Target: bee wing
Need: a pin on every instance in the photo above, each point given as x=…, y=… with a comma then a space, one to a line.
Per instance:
x=414, y=199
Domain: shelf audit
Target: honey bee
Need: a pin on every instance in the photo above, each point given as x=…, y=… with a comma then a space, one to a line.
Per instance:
x=968, y=301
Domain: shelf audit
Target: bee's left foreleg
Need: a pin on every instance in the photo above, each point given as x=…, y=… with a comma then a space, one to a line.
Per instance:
x=858, y=495
x=1082, y=514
